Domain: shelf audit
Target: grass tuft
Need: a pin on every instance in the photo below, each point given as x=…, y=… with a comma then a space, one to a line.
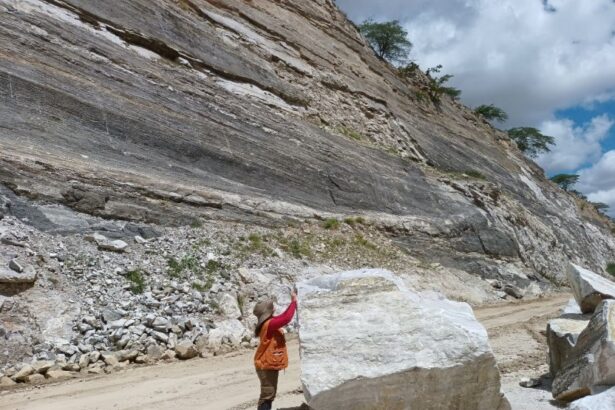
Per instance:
x=331, y=223
x=137, y=281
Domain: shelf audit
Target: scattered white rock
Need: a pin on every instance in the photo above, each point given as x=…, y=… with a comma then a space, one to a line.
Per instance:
x=107, y=244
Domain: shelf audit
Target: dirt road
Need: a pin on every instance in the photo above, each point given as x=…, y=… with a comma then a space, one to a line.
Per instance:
x=229, y=382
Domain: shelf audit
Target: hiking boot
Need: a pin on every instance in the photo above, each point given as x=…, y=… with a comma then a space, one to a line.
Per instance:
x=265, y=406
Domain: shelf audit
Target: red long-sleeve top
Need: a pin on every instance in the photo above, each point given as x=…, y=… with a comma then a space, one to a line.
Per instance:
x=278, y=322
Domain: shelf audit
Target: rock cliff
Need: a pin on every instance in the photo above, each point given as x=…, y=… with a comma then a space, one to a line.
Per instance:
x=261, y=111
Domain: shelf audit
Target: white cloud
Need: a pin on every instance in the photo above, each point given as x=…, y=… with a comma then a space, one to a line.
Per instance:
x=598, y=181
x=575, y=146
x=512, y=53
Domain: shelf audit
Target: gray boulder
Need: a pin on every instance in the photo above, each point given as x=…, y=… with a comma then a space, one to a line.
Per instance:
x=9, y=276
x=589, y=289
x=562, y=335
x=368, y=342
x=590, y=365
x=186, y=350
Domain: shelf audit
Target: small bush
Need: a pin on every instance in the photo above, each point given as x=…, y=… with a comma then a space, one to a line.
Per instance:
x=610, y=268
x=331, y=223
x=177, y=268
x=361, y=241
x=202, y=287
x=352, y=221
x=350, y=133
x=137, y=281
x=474, y=174
x=296, y=248
x=213, y=266
x=196, y=223
x=256, y=244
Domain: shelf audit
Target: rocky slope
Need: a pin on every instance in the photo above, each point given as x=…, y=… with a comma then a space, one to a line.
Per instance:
x=173, y=112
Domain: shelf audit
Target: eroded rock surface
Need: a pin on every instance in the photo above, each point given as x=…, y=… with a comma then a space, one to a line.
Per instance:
x=369, y=342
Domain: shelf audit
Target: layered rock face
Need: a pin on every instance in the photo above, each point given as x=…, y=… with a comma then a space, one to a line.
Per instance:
x=170, y=110
x=368, y=342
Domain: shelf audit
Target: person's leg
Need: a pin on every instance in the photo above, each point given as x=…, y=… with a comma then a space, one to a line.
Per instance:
x=269, y=385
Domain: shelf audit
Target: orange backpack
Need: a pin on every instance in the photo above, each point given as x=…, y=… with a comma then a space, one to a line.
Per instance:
x=271, y=353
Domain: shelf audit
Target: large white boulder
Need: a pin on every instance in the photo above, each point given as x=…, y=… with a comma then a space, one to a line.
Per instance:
x=600, y=401
x=589, y=288
x=591, y=363
x=368, y=342
x=562, y=335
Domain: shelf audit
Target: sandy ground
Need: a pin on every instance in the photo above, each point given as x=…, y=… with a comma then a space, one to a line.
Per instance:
x=516, y=334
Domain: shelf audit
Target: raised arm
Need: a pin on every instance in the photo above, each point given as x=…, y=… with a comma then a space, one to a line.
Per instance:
x=278, y=322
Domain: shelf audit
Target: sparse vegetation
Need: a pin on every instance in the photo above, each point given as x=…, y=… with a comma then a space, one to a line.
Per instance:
x=530, y=140
x=600, y=207
x=350, y=133
x=186, y=263
x=436, y=88
x=409, y=70
x=610, y=268
x=297, y=248
x=472, y=173
x=491, y=113
x=256, y=244
x=137, y=281
x=361, y=241
x=202, y=287
x=196, y=223
x=389, y=40
x=352, y=221
x=331, y=223
x=565, y=181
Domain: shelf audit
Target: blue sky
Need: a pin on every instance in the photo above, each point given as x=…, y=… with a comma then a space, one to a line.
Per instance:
x=549, y=64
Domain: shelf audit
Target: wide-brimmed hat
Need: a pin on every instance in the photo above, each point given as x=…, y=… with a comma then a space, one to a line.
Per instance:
x=263, y=311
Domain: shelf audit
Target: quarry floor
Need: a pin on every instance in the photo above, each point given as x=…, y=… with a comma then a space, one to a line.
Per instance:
x=516, y=333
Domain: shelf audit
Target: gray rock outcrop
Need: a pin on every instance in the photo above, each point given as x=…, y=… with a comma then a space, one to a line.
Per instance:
x=369, y=342
x=589, y=288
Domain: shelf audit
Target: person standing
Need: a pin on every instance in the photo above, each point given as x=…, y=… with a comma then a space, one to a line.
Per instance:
x=271, y=355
